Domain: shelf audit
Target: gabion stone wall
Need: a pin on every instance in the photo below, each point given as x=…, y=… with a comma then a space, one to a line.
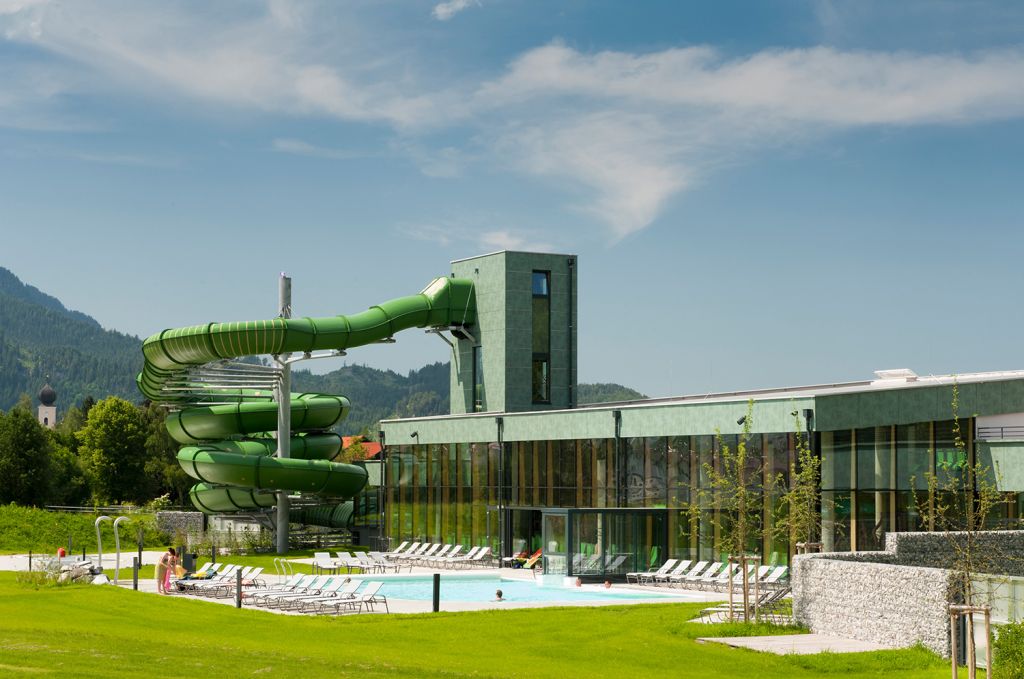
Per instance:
x=179, y=523
x=897, y=597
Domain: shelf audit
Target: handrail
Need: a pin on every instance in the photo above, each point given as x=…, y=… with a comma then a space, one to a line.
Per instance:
x=117, y=542
x=1014, y=431
x=99, y=540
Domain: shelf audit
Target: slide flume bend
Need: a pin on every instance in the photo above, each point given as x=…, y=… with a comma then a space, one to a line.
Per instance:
x=226, y=430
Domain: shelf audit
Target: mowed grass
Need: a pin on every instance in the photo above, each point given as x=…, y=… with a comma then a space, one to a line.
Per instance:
x=90, y=631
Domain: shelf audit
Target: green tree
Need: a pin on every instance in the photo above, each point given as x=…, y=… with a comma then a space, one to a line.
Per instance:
x=112, y=450
x=68, y=485
x=71, y=422
x=161, y=466
x=24, y=459
x=797, y=517
x=24, y=403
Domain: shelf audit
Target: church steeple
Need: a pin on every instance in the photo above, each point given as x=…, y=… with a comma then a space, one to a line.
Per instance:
x=47, y=409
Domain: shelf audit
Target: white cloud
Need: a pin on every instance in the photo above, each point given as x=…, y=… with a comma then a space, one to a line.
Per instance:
x=622, y=132
x=624, y=158
x=815, y=85
x=443, y=11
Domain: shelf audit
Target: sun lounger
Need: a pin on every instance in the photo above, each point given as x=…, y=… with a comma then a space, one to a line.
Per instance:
x=409, y=553
x=322, y=562
x=293, y=584
x=777, y=578
x=447, y=561
x=384, y=564
x=469, y=561
x=370, y=596
x=315, y=587
x=681, y=567
x=311, y=604
x=638, y=575
x=398, y=550
x=436, y=560
x=695, y=581
x=694, y=572
x=330, y=588
x=417, y=559
x=283, y=587
x=532, y=561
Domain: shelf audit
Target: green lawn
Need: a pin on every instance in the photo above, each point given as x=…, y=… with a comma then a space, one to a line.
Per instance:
x=88, y=631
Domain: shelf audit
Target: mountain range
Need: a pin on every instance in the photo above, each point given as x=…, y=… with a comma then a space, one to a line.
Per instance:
x=42, y=340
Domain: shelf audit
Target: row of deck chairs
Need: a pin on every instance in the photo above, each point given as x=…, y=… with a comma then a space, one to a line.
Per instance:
x=432, y=555
x=767, y=607
x=220, y=580
x=372, y=562
x=710, y=576
x=320, y=594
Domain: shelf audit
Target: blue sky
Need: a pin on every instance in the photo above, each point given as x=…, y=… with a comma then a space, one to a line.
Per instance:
x=760, y=194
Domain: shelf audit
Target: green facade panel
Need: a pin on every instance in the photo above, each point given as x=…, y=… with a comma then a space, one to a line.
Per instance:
x=911, y=404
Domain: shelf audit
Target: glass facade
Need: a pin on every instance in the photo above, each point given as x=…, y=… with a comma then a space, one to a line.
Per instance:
x=874, y=479
x=449, y=493
x=584, y=500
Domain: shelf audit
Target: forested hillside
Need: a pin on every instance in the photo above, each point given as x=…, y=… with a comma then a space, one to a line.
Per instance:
x=40, y=337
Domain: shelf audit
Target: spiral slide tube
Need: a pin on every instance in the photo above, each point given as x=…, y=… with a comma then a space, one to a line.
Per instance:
x=225, y=428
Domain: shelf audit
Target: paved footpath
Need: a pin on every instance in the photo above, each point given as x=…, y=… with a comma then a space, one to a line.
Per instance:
x=798, y=644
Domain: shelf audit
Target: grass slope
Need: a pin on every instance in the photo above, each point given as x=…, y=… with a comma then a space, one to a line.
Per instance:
x=87, y=631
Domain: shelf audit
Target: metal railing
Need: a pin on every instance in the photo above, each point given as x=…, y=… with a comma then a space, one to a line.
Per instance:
x=1015, y=431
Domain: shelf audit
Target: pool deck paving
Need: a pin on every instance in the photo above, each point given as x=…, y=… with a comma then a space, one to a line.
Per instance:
x=796, y=644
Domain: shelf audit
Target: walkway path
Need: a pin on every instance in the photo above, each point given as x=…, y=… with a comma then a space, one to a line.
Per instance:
x=800, y=644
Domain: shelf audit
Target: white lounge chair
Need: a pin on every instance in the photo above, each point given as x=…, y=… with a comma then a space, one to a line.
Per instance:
x=681, y=567
x=638, y=575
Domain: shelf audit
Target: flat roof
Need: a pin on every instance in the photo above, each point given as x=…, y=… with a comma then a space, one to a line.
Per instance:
x=886, y=380
x=515, y=252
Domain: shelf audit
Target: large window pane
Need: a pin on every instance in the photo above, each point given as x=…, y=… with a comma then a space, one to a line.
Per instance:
x=873, y=509
x=835, y=521
x=836, y=459
x=913, y=455
x=874, y=458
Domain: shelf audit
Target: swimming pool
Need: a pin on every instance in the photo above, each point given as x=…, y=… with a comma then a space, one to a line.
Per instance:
x=479, y=589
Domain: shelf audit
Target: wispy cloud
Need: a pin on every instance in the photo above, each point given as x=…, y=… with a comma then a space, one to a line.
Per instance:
x=463, y=231
x=302, y=148
x=443, y=11
x=128, y=159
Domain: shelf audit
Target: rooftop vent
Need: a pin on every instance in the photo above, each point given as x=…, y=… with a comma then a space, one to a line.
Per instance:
x=895, y=375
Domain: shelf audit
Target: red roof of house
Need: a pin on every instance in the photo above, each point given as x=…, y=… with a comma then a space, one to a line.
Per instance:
x=372, y=448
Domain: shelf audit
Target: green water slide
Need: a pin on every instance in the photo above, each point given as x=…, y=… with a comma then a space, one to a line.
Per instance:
x=225, y=423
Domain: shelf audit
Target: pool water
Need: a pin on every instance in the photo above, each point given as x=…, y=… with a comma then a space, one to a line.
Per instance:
x=455, y=588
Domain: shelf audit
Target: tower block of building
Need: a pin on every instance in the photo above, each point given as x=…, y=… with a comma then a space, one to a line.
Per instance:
x=522, y=352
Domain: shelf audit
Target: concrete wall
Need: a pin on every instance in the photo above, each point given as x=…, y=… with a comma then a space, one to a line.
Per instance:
x=897, y=597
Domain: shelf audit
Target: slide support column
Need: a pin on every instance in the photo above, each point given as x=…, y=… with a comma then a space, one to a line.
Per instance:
x=284, y=414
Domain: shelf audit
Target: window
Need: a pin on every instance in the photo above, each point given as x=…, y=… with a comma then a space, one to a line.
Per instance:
x=478, y=379
x=541, y=373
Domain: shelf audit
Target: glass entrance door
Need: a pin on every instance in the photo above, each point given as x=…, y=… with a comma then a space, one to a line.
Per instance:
x=555, y=539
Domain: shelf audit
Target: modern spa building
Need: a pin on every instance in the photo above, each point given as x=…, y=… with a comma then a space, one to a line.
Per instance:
x=520, y=465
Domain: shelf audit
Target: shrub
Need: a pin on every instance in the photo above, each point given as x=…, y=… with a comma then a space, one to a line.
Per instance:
x=1008, y=656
